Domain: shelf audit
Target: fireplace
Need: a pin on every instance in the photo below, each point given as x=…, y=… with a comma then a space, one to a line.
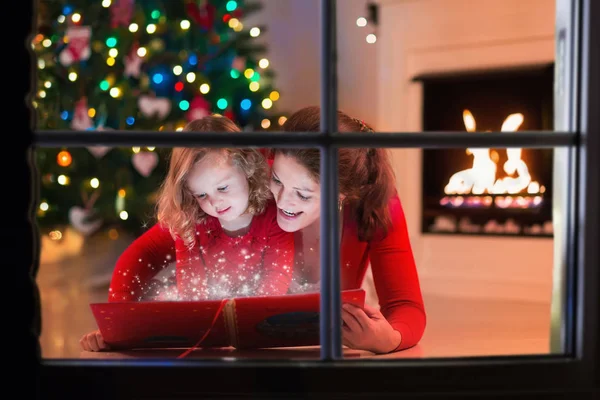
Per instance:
x=480, y=191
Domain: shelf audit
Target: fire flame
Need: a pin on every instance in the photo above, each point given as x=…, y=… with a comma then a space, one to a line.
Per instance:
x=481, y=177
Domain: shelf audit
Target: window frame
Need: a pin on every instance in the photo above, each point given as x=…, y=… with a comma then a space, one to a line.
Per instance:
x=573, y=372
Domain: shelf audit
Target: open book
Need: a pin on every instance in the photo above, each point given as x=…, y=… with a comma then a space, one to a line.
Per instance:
x=246, y=322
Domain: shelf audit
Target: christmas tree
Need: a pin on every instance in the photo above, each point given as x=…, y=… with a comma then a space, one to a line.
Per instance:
x=137, y=65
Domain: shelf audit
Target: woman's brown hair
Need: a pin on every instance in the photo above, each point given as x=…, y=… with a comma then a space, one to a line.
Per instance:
x=366, y=177
x=177, y=209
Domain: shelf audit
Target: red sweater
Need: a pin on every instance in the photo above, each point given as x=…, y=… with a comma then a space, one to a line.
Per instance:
x=218, y=266
x=394, y=273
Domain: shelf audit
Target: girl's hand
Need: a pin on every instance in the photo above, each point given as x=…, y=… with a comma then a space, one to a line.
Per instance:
x=368, y=330
x=93, y=341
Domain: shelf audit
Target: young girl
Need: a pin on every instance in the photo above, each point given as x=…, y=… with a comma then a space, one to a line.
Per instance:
x=373, y=230
x=218, y=221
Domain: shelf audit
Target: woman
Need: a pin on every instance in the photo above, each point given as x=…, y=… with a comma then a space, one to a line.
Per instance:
x=373, y=230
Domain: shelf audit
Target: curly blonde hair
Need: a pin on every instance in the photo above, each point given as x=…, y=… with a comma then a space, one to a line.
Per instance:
x=177, y=209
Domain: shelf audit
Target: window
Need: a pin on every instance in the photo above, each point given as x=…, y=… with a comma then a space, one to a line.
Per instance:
x=576, y=308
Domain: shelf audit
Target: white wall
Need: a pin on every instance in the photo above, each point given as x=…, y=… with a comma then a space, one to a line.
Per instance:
x=358, y=69
x=420, y=36
x=293, y=40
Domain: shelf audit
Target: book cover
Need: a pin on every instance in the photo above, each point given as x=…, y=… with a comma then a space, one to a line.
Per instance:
x=160, y=324
x=282, y=321
x=247, y=322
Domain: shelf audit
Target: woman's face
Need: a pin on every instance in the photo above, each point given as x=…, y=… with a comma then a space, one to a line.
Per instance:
x=297, y=194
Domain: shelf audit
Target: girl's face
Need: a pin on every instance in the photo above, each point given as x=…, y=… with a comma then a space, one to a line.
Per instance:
x=220, y=187
x=297, y=194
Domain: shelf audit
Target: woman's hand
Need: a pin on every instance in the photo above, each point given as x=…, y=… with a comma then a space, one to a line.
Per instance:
x=93, y=341
x=368, y=330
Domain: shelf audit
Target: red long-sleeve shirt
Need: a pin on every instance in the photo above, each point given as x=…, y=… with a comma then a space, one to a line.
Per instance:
x=218, y=266
x=394, y=273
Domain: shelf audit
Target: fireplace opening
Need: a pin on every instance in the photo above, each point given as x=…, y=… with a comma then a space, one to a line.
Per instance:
x=492, y=191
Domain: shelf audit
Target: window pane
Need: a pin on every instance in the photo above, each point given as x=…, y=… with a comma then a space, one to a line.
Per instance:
x=472, y=264
x=235, y=276
x=417, y=66
x=128, y=65
x=476, y=243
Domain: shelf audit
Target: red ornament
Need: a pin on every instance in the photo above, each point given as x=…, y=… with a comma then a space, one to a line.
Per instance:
x=133, y=62
x=203, y=15
x=81, y=120
x=215, y=38
x=121, y=12
x=179, y=86
x=199, y=108
x=78, y=48
x=229, y=114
